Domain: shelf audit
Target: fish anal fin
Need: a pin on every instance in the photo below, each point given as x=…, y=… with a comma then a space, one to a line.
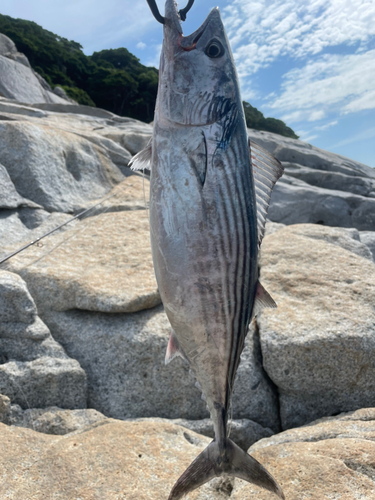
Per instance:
x=173, y=349
x=262, y=299
x=228, y=460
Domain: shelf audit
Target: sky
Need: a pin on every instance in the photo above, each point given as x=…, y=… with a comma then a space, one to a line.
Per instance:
x=310, y=63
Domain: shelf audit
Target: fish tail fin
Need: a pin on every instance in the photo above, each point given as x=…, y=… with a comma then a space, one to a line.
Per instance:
x=230, y=460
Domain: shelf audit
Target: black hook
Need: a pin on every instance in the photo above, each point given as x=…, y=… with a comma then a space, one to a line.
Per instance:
x=182, y=13
x=155, y=11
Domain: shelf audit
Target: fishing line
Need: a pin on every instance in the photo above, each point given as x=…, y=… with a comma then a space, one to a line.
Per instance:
x=118, y=190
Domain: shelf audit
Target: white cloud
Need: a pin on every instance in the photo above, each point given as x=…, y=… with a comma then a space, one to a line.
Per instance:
x=332, y=83
x=327, y=125
x=113, y=23
x=362, y=136
x=260, y=31
x=154, y=61
x=141, y=45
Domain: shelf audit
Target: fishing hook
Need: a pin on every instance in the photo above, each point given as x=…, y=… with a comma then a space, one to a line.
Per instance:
x=182, y=13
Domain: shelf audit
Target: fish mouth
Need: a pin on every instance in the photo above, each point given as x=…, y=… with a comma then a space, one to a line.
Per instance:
x=173, y=28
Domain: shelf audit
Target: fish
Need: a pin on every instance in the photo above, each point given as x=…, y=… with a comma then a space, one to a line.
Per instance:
x=210, y=189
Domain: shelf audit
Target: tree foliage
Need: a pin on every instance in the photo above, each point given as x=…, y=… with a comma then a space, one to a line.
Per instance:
x=112, y=79
x=255, y=119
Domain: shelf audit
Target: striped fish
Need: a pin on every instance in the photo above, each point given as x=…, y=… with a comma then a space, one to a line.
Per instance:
x=209, y=196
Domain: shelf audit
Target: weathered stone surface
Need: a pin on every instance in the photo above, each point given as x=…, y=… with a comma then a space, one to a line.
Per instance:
x=319, y=186
x=7, y=46
x=53, y=420
x=18, y=319
x=34, y=369
x=13, y=108
x=294, y=151
x=293, y=204
x=319, y=344
x=123, y=357
x=19, y=82
x=54, y=168
x=102, y=264
x=9, y=198
x=368, y=238
x=111, y=460
x=359, y=424
x=44, y=382
x=330, y=459
x=364, y=186
x=4, y=409
x=24, y=225
x=243, y=432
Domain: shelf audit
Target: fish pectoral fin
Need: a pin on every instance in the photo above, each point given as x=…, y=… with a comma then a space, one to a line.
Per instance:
x=173, y=349
x=142, y=160
x=266, y=170
x=262, y=299
x=230, y=460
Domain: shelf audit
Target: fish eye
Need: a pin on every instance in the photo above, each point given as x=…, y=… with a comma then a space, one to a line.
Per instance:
x=214, y=49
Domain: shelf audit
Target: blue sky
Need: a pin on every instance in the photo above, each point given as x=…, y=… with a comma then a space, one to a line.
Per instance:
x=310, y=63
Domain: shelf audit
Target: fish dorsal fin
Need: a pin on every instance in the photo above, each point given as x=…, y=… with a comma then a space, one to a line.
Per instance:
x=267, y=170
x=262, y=299
x=142, y=160
x=173, y=349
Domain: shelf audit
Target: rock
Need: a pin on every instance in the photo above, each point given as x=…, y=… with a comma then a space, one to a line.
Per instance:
x=9, y=197
x=19, y=317
x=302, y=203
x=60, y=171
x=13, y=108
x=101, y=264
x=7, y=46
x=19, y=82
x=54, y=420
x=34, y=369
x=26, y=225
x=59, y=91
x=318, y=345
x=342, y=237
x=294, y=151
x=44, y=382
x=332, y=180
x=328, y=459
x=4, y=405
x=319, y=186
x=243, y=432
x=80, y=109
x=110, y=460
x=368, y=238
x=123, y=357
x=359, y=424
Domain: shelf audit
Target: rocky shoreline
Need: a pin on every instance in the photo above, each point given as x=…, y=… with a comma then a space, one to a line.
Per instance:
x=83, y=385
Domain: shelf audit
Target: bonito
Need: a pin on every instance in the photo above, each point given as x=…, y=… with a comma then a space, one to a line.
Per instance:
x=209, y=195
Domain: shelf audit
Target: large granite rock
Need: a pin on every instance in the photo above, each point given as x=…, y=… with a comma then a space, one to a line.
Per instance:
x=123, y=357
x=330, y=459
x=34, y=369
x=110, y=460
x=56, y=169
x=52, y=420
x=319, y=186
x=103, y=264
x=319, y=344
x=17, y=79
x=243, y=432
x=9, y=197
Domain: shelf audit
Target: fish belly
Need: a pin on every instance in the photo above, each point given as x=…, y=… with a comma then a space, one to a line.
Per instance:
x=203, y=237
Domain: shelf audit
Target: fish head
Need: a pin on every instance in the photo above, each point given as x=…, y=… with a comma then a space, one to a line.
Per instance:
x=198, y=82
